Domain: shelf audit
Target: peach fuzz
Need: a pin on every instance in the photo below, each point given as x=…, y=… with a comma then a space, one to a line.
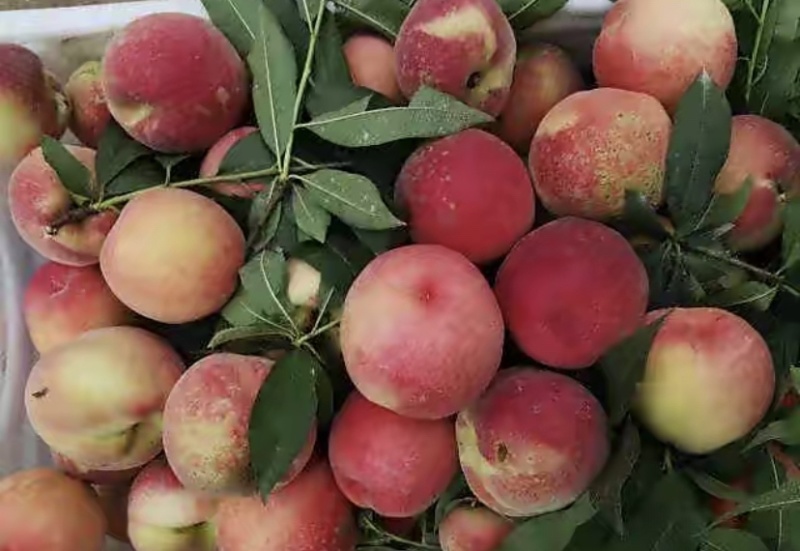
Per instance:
x=659, y=48
x=310, y=514
x=766, y=152
x=533, y=443
x=593, y=146
x=63, y=302
x=469, y=192
x=164, y=516
x=37, y=199
x=95, y=477
x=160, y=235
x=174, y=82
x=206, y=420
x=42, y=509
x=544, y=75
x=709, y=364
x=393, y=465
x=421, y=333
x=473, y=529
x=371, y=61
x=32, y=104
x=89, y=114
x=213, y=160
x=98, y=400
x=546, y=282
x=464, y=48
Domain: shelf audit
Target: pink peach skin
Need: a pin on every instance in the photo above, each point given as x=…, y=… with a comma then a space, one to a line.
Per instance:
x=371, y=61
x=421, y=332
x=213, y=159
x=89, y=115
x=102, y=478
x=469, y=192
x=174, y=82
x=659, y=48
x=63, y=302
x=37, y=198
x=473, y=529
x=206, y=421
x=533, y=443
x=310, y=514
x=393, y=465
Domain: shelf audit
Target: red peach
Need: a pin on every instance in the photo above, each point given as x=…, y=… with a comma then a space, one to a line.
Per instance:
x=160, y=235
x=174, y=82
x=63, y=302
x=473, y=529
x=371, y=61
x=213, y=159
x=31, y=104
x=659, y=48
x=533, y=443
x=42, y=509
x=37, y=199
x=766, y=152
x=544, y=75
x=310, y=514
x=90, y=115
x=469, y=192
x=393, y=465
x=95, y=477
x=570, y=290
x=464, y=48
x=421, y=333
x=593, y=146
x=206, y=420
x=709, y=364
x=403, y=526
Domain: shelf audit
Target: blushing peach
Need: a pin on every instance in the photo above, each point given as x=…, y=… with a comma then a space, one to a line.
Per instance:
x=371, y=61
x=89, y=115
x=213, y=159
x=533, y=443
x=94, y=477
x=473, y=529
x=421, y=333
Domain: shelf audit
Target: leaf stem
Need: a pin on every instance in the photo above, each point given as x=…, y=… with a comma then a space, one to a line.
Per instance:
x=317, y=332
x=397, y=539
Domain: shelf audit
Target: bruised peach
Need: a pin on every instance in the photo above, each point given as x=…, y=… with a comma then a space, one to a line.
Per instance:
x=89, y=114
x=371, y=61
x=213, y=160
x=473, y=529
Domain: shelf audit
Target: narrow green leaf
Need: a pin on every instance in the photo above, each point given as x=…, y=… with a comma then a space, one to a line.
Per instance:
x=352, y=198
x=790, y=247
x=725, y=209
x=524, y=13
x=786, y=431
x=728, y=539
x=698, y=149
x=116, y=150
x=714, y=487
x=249, y=154
x=293, y=25
x=260, y=208
x=311, y=218
x=430, y=114
x=265, y=278
x=771, y=525
x=235, y=18
x=287, y=234
x=282, y=417
x=754, y=294
x=639, y=216
x=246, y=333
x=325, y=396
x=552, y=531
x=274, y=70
x=457, y=488
x=383, y=16
x=142, y=173
x=785, y=496
x=73, y=174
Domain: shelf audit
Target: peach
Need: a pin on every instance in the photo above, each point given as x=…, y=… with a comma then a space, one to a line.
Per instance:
x=709, y=364
x=544, y=75
x=174, y=82
x=371, y=61
x=42, y=509
x=37, y=199
x=95, y=477
x=595, y=145
x=98, y=400
x=206, y=421
x=89, y=116
x=32, y=103
x=310, y=514
x=161, y=234
x=214, y=157
x=570, y=290
x=533, y=443
x=766, y=152
x=659, y=48
x=165, y=516
x=63, y=302
x=473, y=529
x=465, y=48
x=403, y=526
x=421, y=333
x=393, y=465
x=469, y=192
x=114, y=502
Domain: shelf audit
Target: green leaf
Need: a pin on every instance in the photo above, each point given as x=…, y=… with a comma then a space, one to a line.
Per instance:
x=725, y=209
x=790, y=246
x=247, y=332
x=383, y=16
x=264, y=278
x=727, y=539
x=430, y=114
x=456, y=489
x=308, y=9
x=781, y=498
x=311, y=218
x=524, y=13
x=795, y=375
x=282, y=417
x=606, y=491
x=260, y=207
x=754, y=294
x=274, y=70
x=786, y=431
x=639, y=216
x=774, y=525
x=287, y=234
x=698, y=149
x=249, y=154
x=623, y=367
x=336, y=273
x=73, y=174
x=326, y=407
x=714, y=487
x=116, y=151
x=352, y=198
x=235, y=18
x=296, y=30
x=142, y=173
x=552, y=531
